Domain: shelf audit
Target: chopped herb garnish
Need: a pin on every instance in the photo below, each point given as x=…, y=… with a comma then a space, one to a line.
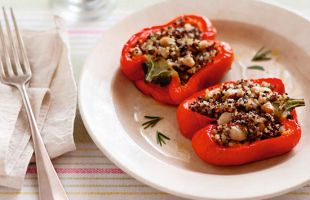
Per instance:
x=262, y=55
x=256, y=67
x=152, y=121
x=160, y=138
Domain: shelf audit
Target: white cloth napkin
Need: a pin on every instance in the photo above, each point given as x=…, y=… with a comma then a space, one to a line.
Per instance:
x=53, y=95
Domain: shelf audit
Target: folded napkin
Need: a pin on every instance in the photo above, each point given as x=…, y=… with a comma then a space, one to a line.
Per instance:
x=52, y=91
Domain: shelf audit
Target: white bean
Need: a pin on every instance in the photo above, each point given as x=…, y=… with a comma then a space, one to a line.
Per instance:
x=268, y=107
x=236, y=134
x=166, y=41
x=188, y=27
x=224, y=118
x=210, y=93
x=188, y=61
x=203, y=44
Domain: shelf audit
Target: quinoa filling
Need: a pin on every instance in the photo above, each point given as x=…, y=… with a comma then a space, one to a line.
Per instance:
x=182, y=48
x=245, y=111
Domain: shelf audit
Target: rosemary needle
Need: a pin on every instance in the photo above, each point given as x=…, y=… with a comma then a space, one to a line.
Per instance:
x=160, y=138
x=256, y=67
x=262, y=55
x=152, y=121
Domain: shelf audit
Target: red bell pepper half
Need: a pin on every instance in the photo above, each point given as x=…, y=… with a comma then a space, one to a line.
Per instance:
x=199, y=128
x=175, y=92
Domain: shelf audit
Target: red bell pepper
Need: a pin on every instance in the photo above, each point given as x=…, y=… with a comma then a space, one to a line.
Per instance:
x=175, y=92
x=199, y=128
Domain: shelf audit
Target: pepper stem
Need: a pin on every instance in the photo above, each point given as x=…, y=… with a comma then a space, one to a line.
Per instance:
x=293, y=103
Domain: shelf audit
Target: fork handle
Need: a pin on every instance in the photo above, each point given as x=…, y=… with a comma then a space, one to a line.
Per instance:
x=50, y=187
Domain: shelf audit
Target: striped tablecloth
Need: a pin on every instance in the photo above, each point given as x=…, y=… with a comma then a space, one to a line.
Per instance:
x=87, y=173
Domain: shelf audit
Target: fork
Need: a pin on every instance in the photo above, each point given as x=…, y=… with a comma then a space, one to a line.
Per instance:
x=18, y=74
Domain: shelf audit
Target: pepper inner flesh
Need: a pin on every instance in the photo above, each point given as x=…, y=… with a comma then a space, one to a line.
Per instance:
x=182, y=47
x=245, y=111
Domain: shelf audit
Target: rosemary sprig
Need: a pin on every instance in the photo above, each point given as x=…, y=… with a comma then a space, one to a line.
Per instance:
x=160, y=138
x=152, y=121
x=262, y=55
x=256, y=67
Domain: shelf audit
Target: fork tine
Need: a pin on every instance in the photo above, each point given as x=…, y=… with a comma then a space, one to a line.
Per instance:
x=8, y=70
x=26, y=66
x=3, y=72
x=16, y=67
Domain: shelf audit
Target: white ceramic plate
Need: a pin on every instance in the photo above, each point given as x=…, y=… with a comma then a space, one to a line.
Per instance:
x=113, y=109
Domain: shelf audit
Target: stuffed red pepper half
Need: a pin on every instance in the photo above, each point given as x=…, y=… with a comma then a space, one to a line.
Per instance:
x=234, y=123
x=172, y=61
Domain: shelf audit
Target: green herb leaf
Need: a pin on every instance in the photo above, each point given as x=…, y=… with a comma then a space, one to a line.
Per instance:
x=262, y=55
x=160, y=138
x=256, y=67
x=157, y=72
x=152, y=121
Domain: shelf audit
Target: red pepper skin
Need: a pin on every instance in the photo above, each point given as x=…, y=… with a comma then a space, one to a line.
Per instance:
x=131, y=66
x=190, y=122
x=189, y=127
x=158, y=93
x=174, y=93
x=212, y=153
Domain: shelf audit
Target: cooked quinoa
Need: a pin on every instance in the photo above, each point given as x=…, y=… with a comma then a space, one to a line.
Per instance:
x=245, y=112
x=181, y=45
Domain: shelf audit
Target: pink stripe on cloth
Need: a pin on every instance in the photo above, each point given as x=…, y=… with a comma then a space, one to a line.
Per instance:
x=33, y=170
x=90, y=32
